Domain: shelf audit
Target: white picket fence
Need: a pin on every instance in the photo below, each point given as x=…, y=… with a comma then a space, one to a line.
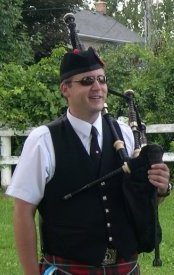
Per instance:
x=7, y=160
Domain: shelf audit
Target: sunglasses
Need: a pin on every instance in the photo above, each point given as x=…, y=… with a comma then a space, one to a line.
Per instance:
x=89, y=80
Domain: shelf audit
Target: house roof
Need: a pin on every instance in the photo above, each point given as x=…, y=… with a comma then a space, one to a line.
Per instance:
x=94, y=25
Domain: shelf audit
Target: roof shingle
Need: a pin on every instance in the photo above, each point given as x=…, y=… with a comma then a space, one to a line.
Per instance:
x=95, y=25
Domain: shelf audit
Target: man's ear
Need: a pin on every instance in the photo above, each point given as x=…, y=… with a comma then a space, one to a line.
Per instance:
x=64, y=89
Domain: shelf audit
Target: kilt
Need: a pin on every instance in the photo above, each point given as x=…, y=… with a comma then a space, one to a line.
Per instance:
x=70, y=267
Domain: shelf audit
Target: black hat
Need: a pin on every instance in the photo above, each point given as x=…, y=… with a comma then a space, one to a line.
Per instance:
x=77, y=62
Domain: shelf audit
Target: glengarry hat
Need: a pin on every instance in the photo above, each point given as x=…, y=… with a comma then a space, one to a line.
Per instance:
x=77, y=62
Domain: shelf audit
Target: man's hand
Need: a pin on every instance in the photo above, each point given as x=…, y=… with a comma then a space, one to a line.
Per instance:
x=159, y=176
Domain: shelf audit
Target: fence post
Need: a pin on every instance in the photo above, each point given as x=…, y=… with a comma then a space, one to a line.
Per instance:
x=5, y=152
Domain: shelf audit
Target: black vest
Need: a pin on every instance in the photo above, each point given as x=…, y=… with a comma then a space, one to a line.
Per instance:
x=82, y=227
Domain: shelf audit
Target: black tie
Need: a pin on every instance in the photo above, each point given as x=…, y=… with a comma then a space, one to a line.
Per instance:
x=95, y=151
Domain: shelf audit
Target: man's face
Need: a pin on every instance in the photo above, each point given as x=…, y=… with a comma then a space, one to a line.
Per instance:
x=85, y=102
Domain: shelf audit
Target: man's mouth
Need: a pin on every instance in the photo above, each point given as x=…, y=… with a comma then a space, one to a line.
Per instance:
x=96, y=97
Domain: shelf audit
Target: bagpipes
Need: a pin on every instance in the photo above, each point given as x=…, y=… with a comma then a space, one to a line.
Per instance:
x=141, y=201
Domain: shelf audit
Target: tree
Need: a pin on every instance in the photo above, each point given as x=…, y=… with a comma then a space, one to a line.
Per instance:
x=163, y=16
x=44, y=20
x=129, y=13
x=133, y=14
x=14, y=42
x=162, y=23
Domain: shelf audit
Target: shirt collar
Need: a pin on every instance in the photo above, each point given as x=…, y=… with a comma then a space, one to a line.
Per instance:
x=84, y=127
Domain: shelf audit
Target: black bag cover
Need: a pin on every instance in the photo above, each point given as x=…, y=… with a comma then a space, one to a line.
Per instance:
x=141, y=198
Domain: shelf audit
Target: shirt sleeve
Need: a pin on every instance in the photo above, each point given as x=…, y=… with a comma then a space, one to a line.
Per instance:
x=128, y=137
x=35, y=168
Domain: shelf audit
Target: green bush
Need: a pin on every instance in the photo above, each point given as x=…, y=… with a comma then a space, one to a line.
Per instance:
x=151, y=76
x=30, y=95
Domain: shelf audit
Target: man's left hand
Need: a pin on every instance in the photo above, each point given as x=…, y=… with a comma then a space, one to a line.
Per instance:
x=159, y=176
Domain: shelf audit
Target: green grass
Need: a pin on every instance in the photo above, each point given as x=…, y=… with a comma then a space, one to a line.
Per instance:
x=9, y=264
x=9, y=261
x=166, y=217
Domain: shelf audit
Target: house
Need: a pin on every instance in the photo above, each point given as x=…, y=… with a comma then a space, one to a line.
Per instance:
x=96, y=28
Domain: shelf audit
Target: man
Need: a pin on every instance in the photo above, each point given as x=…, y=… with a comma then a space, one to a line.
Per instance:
x=88, y=233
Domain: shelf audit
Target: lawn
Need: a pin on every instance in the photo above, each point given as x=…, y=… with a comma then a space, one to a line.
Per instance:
x=9, y=261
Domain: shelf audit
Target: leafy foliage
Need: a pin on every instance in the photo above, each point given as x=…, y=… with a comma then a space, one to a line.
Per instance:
x=30, y=96
x=133, y=14
x=163, y=17
x=44, y=20
x=150, y=76
x=129, y=13
x=14, y=43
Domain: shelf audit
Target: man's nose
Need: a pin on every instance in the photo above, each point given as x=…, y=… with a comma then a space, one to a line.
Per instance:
x=96, y=84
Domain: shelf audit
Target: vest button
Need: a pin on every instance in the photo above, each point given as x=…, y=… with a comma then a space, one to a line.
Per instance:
x=103, y=183
x=110, y=239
